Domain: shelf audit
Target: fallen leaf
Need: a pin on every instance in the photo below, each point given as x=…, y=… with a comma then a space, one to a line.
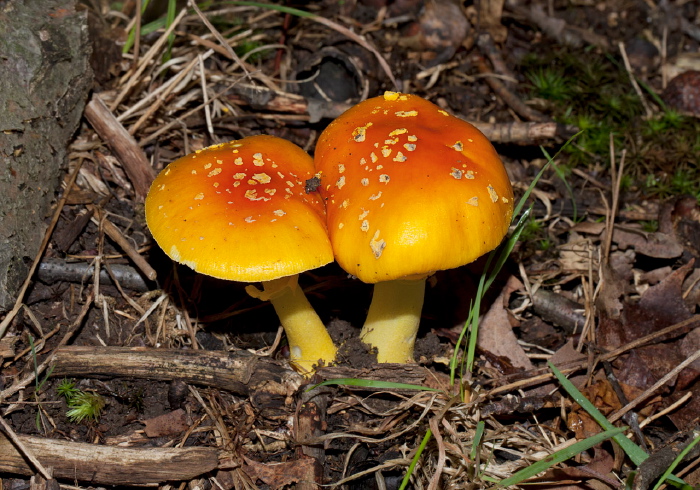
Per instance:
x=659, y=307
x=657, y=245
x=603, y=398
x=496, y=333
x=279, y=475
x=168, y=424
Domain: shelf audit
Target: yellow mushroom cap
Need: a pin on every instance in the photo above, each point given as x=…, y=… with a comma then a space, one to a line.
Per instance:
x=240, y=211
x=410, y=189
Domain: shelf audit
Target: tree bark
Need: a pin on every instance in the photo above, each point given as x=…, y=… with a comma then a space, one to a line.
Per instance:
x=44, y=79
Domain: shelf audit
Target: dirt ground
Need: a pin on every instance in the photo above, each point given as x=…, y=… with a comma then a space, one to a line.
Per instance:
x=183, y=379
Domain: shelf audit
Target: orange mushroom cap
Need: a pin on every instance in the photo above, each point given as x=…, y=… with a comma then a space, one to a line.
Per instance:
x=410, y=189
x=240, y=211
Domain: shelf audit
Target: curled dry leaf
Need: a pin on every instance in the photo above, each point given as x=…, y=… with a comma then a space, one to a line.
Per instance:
x=496, y=332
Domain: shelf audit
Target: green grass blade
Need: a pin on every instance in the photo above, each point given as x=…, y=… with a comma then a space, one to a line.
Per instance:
x=634, y=452
x=478, y=434
x=145, y=29
x=560, y=174
x=471, y=326
x=667, y=474
x=414, y=461
x=169, y=19
x=559, y=456
x=372, y=383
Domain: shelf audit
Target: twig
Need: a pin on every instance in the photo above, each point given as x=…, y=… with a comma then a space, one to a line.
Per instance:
x=26, y=452
x=506, y=95
x=19, y=385
x=168, y=89
x=54, y=270
x=488, y=47
x=666, y=410
x=44, y=242
x=131, y=156
x=229, y=50
x=110, y=465
x=116, y=235
x=616, y=181
x=615, y=416
x=131, y=78
x=238, y=372
x=434, y=428
x=633, y=80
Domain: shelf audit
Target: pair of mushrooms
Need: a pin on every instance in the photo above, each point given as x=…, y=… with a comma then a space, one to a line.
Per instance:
x=406, y=190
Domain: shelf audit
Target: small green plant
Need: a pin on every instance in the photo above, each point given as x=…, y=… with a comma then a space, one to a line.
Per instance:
x=545, y=244
x=550, y=83
x=650, y=226
x=66, y=388
x=533, y=229
x=82, y=405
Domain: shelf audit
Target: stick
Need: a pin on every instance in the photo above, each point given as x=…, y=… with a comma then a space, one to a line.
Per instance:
x=131, y=156
x=21, y=449
x=108, y=465
x=238, y=372
x=506, y=95
x=116, y=235
x=615, y=416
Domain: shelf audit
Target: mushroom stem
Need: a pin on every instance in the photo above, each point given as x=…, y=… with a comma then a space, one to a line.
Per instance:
x=393, y=319
x=309, y=341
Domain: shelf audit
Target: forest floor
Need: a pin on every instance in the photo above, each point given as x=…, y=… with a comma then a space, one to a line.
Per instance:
x=126, y=369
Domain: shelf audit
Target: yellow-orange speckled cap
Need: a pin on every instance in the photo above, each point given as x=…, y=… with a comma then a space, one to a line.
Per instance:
x=240, y=211
x=410, y=189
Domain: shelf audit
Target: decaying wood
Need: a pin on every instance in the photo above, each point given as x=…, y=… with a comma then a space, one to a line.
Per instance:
x=55, y=270
x=506, y=95
x=239, y=372
x=526, y=133
x=130, y=155
x=37, y=482
x=651, y=468
x=108, y=465
x=559, y=310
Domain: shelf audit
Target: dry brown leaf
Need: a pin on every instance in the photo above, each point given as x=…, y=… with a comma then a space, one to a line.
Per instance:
x=660, y=306
x=576, y=255
x=657, y=245
x=168, y=424
x=603, y=397
x=496, y=333
x=279, y=475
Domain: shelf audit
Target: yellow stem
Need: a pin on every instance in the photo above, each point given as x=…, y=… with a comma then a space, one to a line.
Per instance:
x=309, y=341
x=393, y=319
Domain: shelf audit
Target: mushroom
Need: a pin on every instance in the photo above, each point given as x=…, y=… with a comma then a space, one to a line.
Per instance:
x=240, y=211
x=409, y=190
